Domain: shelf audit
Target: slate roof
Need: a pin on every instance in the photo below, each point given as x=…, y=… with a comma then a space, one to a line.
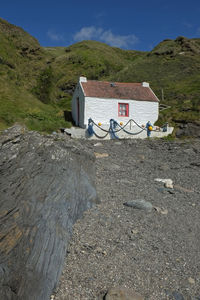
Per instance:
x=118, y=90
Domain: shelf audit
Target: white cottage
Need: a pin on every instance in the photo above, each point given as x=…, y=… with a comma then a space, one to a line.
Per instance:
x=103, y=101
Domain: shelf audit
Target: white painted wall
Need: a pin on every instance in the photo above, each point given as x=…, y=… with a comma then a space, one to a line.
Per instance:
x=102, y=110
x=78, y=93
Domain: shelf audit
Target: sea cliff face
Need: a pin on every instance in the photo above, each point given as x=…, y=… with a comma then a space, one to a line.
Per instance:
x=46, y=183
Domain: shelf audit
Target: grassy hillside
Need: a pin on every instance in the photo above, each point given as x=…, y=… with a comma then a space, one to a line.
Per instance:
x=174, y=67
x=92, y=59
x=22, y=65
x=36, y=84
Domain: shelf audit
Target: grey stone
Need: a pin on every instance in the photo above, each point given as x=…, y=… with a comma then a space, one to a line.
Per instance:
x=140, y=204
x=98, y=144
x=120, y=293
x=164, y=189
x=46, y=185
x=118, y=143
x=168, y=183
x=164, y=167
x=114, y=167
x=177, y=296
x=174, y=295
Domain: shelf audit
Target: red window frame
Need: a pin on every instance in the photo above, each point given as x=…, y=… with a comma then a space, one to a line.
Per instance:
x=123, y=108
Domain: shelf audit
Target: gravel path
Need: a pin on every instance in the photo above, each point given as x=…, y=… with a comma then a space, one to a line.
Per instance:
x=157, y=254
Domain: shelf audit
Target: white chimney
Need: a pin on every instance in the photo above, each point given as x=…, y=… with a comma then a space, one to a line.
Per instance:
x=82, y=79
x=145, y=84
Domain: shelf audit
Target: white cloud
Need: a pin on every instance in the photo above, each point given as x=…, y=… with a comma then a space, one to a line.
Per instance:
x=100, y=15
x=118, y=40
x=55, y=36
x=188, y=25
x=88, y=33
x=106, y=36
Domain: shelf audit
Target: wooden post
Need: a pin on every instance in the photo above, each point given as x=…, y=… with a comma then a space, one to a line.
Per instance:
x=162, y=92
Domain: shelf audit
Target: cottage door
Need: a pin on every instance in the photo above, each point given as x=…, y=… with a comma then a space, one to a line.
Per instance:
x=78, y=110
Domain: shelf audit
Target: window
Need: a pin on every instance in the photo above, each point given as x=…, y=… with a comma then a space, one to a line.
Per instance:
x=123, y=110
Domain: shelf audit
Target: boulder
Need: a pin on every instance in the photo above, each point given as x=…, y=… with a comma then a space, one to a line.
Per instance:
x=46, y=183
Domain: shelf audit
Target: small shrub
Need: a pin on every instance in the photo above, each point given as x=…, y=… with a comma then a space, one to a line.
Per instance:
x=44, y=85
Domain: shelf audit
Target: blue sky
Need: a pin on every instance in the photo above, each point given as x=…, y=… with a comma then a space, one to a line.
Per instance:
x=137, y=25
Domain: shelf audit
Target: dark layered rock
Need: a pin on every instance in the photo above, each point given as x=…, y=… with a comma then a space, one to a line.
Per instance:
x=46, y=183
x=188, y=130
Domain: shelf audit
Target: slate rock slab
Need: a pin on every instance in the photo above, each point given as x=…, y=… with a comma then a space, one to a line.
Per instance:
x=140, y=204
x=46, y=184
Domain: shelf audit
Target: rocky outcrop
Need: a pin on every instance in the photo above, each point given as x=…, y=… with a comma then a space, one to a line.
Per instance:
x=180, y=46
x=46, y=183
x=188, y=130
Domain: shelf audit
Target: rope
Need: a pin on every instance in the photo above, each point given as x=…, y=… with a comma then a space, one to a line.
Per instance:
x=132, y=133
x=90, y=120
x=91, y=130
x=101, y=137
x=129, y=121
x=128, y=132
x=90, y=127
x=113, y=125
x=113, y=129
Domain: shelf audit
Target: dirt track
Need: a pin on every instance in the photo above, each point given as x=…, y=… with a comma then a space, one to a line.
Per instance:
x=157, y=254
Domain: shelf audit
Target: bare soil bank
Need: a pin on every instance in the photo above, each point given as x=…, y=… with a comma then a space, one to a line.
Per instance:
x=157, y=254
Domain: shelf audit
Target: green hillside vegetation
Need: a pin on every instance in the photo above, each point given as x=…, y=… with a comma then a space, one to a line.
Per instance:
x=23, y=66
x=36, y=83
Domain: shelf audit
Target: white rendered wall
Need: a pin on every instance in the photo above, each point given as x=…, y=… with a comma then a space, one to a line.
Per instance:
x=102, y=110
x=73, y=103
x=78, y=93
